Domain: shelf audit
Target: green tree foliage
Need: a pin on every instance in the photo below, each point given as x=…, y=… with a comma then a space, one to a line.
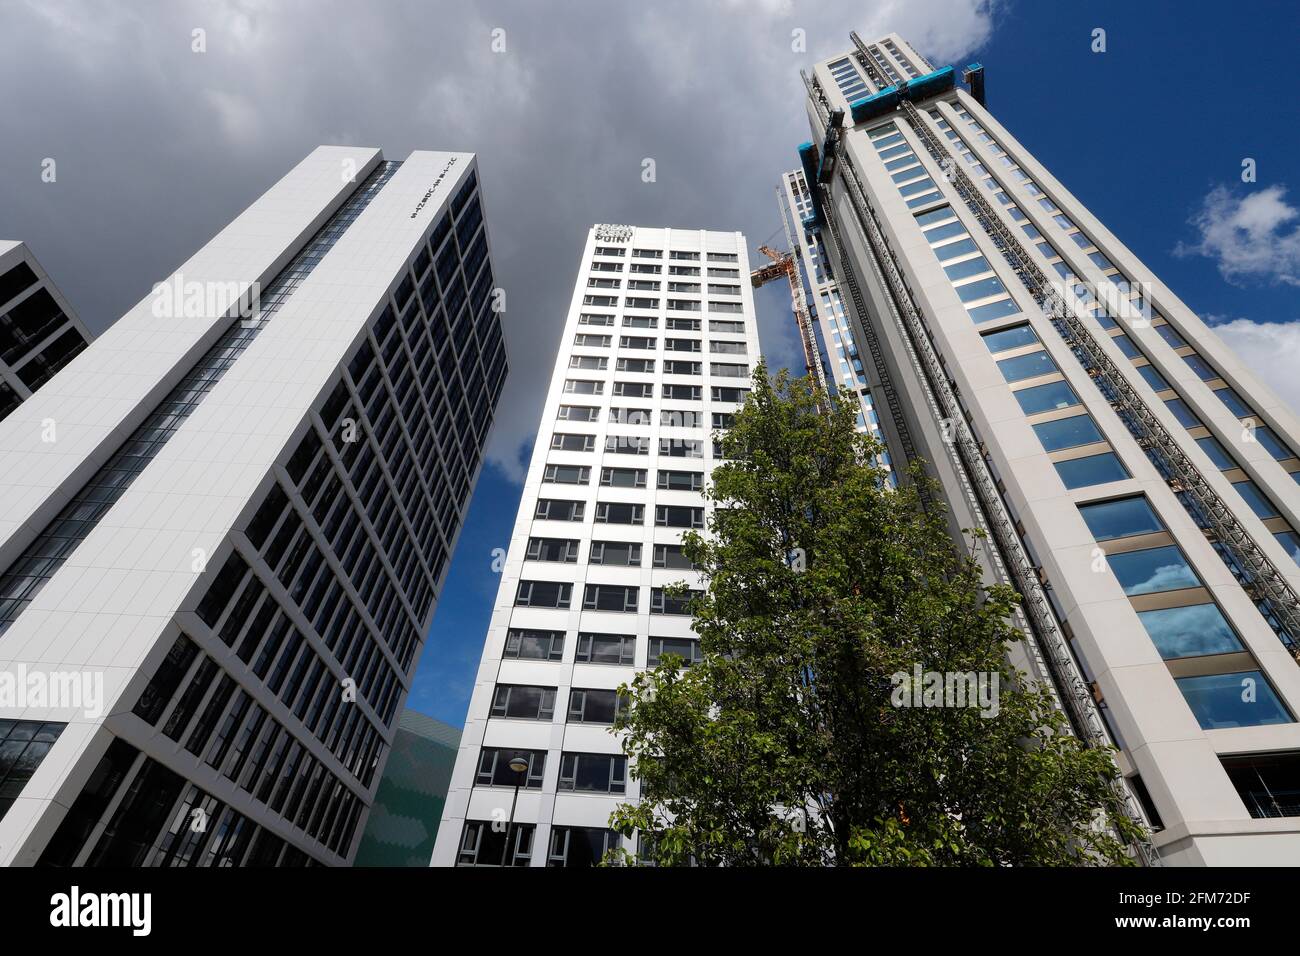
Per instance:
x=785, y=745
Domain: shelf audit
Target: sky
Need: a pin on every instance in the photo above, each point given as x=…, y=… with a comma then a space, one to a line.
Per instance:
x=157, y=146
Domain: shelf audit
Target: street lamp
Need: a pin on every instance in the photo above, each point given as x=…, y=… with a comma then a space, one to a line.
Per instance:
x=519, y=764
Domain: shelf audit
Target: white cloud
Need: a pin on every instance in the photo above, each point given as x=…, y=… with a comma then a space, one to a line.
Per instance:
x=1251, y=236
x=1270, y=349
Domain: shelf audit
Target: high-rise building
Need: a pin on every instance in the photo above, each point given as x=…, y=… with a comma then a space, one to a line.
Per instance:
x=1138, y=483
x=656, y=355
x=404, y=819
x=39, y=331
x=225, y=524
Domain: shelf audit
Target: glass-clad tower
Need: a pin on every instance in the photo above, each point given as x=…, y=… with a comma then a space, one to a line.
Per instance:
x=1138, y=483
x=225, y=524
x=655, y=358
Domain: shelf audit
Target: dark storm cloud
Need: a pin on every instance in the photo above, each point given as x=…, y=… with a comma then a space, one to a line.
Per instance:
x=157, y=147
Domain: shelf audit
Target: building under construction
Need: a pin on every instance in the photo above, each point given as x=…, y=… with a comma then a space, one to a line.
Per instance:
x=1137, y=483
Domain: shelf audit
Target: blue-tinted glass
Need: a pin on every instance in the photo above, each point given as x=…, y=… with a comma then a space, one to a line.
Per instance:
x=919, y=186
x=993, y=310
x=1244, y=699
x=1011, y=338
x=1272, y=444
x=980, y=289
x=939, y=215
x=1255, y=498
x=954, y=249
x=971, y=267
x=1043, y=398
x=1125, y=345
x=1200, y=367
x=1169, y=335
x=946, y=231
x=1191, y=631
x=1067, y=432
x=1093, y=470
x=1291, y=542
x=922, y=200
x=1234, y=402
x=1152, y=570
x=1222, y=460
x=1020, y=367
x=1153, y=378
x=1181, y=412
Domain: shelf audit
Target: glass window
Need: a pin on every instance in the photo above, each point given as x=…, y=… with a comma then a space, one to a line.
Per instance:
x=1153, y=570
x=1021, y=367
x=946, y=231
x=1200, y=367
x=1272, y=444
x=1172, y=337
x=1043, y=398
x=993, y=310
x=1291, y=542
x=1192, y=631
x=1185, y=416
x=1153, y=378
x=1067, y=432
x=1222, y=460
x=1234, y=402
x=1258, y=502
x=1093, y=470
x=1011, y=338
x=1121, y=518
x=1244, y=699
x=980, y=289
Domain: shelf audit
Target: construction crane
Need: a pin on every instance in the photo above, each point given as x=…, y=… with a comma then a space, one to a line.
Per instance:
x=785, y=264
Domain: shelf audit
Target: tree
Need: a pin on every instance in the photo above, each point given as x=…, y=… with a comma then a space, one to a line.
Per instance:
x=791, y=741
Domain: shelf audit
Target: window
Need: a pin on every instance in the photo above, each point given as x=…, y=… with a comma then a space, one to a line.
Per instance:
x=640, y=322
x=1255, y=498
x=606, y=648
x=671, y=556
x=23, y=746
x=992, y=310
x=593, y=773
x=1067, y=432
x=1290, y=542
x=566, y=442
x=1120, y=518
x=592, y=706
x=1201, y=367
x=523, y=702
x=567, y=474
x=715, y=306
x=524, y=644
x=558, y=509
x=1268, y=784
x=636, y=342
x=1152, y=570
x=681, y=448
x=1272, y=444
x=633, y=390
x=721, y=394
x=687, y=648
x=681, y=345
x=684, y=256
x=623, y=477
x=680, y=418
x=580, y=846
x=1234, y=402
x=610, y=597
x=682, y=325
x=543, y=594
x=680, y=480
x=1092, y=470
x=679, y=516
x=1020, y=367
x=595, y=318
x=619, y=512
x=635, y=365
x=731, y=348
x=1152, y=377
x=1244, y=699
x=1011, y=338
x=1216, y=452
x=690, y=393
x=573, y=386
x=563, y=550
x=1191, y=631
x=494, y=768
x=1185, y=416
x=729, y=370
x=620, y=553
x=722, y=257
x=629, y=416
x=627, y=445
x=663, y=603
x=678, y=367
x=1045, y=398
x=586, y=340
x=726, y=325
x=483, y=845
x=578, y=413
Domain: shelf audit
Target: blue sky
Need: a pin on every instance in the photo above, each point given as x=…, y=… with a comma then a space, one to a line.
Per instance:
x=1150, y=134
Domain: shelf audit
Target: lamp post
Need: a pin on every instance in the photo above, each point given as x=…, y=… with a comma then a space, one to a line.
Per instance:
x=519, y=765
